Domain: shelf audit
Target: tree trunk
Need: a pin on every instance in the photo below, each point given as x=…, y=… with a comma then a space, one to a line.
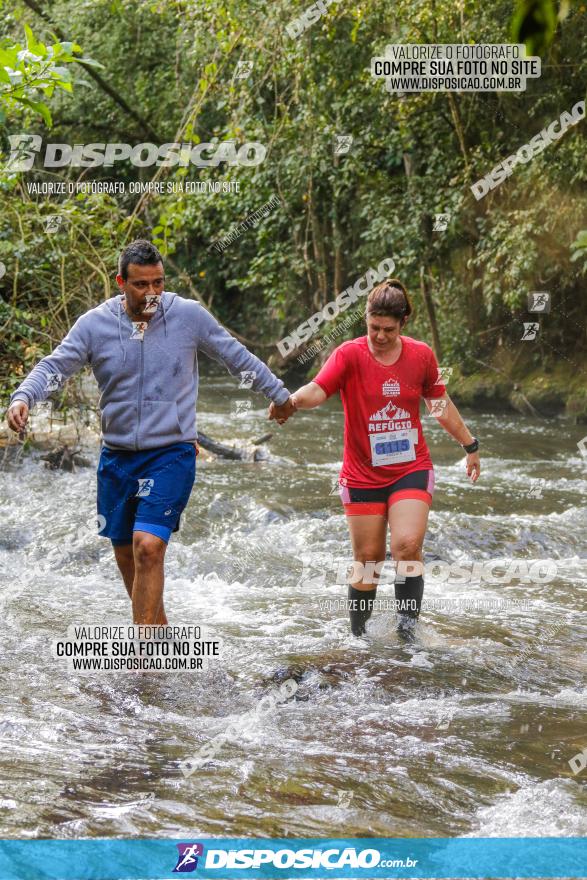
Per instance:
x=431, y=311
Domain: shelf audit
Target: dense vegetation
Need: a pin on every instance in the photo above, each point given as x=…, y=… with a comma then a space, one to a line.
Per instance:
x=168, y=70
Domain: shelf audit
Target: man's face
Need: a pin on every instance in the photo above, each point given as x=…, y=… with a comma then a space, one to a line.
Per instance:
x=141, y=283
x=383, y=332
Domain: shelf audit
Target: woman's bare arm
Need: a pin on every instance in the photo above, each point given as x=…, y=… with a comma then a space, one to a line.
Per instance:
x=309, y=396
x=451, y=420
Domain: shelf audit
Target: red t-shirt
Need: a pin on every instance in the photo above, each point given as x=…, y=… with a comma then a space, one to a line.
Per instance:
x=383, y=439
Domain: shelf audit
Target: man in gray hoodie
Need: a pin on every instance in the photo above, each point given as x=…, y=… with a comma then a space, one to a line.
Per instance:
x=142, y=346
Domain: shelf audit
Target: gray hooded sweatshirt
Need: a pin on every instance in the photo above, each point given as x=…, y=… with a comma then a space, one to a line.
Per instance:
x=149, y=385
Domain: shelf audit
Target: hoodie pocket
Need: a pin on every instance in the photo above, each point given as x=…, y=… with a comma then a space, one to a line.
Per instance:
x=119, y=422
x=159, y=423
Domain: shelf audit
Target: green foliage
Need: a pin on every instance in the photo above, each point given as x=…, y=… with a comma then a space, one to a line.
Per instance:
x=30, y=73
x=534, y=23
x=175, y=63
x=579, y=249
x=54, y=277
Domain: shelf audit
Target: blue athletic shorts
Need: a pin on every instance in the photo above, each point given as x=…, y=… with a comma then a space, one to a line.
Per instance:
x=144, y=490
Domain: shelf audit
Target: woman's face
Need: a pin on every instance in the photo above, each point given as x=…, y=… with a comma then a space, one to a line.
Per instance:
x=383, y=332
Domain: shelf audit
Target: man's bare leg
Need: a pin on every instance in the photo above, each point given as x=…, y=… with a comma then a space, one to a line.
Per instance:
x=147, y=590
x=126, y=563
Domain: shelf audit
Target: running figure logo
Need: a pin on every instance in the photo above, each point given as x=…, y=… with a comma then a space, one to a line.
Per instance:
x=530, y=331
x=342, y=144
x=243, y=69
x=535, y=490
x=54, y=382
x=336, y=487
x=53, y=222
x=187, y=860
x=437, y=406
x=444, y=374
x=138, y=329
x=23, y=148
x=242, y=407
x=247, y=378
x=441, y=222
x=151, y=303
x=539, y=301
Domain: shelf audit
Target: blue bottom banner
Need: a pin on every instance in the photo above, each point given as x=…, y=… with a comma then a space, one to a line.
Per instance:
x=228, y=858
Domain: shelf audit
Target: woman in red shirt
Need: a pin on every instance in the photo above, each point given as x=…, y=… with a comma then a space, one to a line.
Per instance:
x=387, y=474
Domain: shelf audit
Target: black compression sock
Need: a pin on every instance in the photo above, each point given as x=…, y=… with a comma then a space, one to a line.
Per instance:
x=409, y=592
x=360, y=608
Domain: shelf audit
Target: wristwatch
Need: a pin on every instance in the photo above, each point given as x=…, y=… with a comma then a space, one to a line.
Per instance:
x=471, y=447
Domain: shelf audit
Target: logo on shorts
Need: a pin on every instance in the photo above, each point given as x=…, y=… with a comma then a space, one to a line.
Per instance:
x=389, y=413
x=145, y=486
x=390, y=388
x=167, y=513
x=187, y=860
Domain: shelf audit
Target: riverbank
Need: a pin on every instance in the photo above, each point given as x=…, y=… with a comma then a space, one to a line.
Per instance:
x=509, y=384
x=546, y=391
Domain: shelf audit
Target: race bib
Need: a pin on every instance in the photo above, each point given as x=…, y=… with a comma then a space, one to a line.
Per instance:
x=392, y=447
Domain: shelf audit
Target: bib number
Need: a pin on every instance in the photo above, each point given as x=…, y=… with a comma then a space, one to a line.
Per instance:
x=392, y=447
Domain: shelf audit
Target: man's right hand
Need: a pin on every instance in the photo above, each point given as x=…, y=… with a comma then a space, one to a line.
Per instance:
x=17, y=416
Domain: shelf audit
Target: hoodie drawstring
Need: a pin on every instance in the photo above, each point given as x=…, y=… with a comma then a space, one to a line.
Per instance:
x=120, y=332
x=120, y=326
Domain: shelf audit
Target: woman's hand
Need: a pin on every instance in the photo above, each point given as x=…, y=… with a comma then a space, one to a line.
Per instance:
x=282, y=412
x=473, y=466
x=306, y=397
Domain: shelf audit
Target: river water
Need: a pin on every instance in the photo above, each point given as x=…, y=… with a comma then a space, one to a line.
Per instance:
x=468, y=730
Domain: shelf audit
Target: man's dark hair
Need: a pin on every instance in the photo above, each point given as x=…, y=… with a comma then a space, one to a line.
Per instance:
x=141, y=252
